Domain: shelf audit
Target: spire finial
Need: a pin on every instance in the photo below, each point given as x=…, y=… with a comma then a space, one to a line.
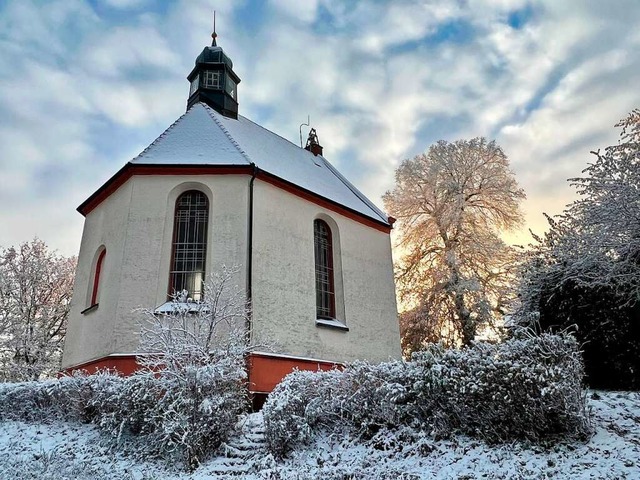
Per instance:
x=214, y=34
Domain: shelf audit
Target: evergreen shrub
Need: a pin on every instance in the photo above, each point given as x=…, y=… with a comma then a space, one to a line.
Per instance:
x=526, y=388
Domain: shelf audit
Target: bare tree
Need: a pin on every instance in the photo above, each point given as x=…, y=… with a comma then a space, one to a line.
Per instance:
x=35, y=294
x=193, y=333
x=186, y=398
x=451, y=204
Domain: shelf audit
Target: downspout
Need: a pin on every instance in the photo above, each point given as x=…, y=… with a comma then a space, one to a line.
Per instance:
x=250, y=253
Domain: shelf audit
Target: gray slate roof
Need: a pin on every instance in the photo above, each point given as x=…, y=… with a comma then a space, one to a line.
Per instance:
x=202, y=136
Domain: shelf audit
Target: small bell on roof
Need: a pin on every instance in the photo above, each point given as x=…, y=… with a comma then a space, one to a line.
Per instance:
x=313, y=145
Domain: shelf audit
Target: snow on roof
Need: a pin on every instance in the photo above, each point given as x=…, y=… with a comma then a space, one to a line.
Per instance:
x=191, y=140
x=203, y=136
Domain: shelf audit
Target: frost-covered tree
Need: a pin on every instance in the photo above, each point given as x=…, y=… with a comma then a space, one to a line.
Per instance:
x=185, y=399
x=197, y=333
x=35, y=294
x=598, y=235
x=585, y=271
x=451, y=203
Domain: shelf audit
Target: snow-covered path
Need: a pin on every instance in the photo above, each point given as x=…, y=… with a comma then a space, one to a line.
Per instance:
x=69, y=451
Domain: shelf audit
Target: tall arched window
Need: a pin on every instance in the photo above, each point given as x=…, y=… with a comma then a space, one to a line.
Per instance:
x=189, y=244
x=96, y=278
x=325, y=287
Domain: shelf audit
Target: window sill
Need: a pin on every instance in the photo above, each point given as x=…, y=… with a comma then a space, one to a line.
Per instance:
x=90, y=309
x=331, y=323
x=173, y=308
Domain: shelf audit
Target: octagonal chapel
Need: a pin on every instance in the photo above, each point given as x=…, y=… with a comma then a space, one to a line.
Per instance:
x=218, y=189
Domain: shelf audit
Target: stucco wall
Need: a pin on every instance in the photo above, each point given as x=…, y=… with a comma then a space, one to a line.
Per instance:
x=136, y=226
x=89, y=335
x=283, y=275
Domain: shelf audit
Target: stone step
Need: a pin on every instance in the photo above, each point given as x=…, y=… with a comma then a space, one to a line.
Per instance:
x=247, y=441
x=236, y=454
x=230, y=451
x=233, y=449
x=229, y=467
x=243, y=450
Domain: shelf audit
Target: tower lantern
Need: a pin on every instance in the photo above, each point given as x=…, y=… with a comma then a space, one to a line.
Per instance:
x=213, y=81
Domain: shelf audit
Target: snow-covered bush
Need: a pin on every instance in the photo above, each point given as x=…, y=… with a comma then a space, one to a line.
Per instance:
x=185, y=400
x=185, y=417
x=64, y=398
x=375, y=396
x=291, y=410
x=363, y=396
x=529, y=387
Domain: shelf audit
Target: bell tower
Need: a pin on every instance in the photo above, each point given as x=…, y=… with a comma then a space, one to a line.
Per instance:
x=213, y=80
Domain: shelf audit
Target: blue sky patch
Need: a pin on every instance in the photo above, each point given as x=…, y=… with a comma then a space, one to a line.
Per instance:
x=252, y=16
x=124, y=15
x=519, y=18
x=455, y=32
x=436, y=127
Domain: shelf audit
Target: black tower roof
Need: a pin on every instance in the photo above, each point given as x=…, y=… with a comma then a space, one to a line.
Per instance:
x=214, y=82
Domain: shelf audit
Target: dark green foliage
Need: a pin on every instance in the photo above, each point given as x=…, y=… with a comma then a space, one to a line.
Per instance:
x=584, y=273
x=606, y=325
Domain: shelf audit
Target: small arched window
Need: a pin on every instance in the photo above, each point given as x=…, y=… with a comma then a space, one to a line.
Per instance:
x=325, y=287
x=96, y=278
x=189, y=244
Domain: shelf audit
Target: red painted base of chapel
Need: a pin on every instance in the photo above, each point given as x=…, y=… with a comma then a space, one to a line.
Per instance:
x=265, y=370
x=123, y=364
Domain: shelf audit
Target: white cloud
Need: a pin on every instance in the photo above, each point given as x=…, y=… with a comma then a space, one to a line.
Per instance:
x=375, y=78
x=125, y=50
x=303, y=11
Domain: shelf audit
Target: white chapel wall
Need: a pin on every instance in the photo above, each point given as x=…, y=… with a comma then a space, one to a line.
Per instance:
x=145, y=274
x=90, y=335
x=136, y=225
x=284, y=275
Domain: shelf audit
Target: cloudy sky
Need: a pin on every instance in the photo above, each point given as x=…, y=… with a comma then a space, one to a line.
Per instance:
x=86, y=85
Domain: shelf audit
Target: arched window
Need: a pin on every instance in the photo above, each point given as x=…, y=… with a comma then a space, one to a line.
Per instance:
x=325, y=287
x=189, y=244
x=96, y=278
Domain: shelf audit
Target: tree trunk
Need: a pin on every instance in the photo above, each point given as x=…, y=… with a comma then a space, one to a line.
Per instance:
x=467, y=325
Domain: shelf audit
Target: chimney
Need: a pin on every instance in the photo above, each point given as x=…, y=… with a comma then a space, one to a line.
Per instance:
x=312, y=143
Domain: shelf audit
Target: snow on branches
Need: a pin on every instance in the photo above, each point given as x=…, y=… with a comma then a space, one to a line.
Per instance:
x=451, y=204
x=197, y=333
x=596, y=241
x=585, y=271
x=185, y=399
x=35, y=297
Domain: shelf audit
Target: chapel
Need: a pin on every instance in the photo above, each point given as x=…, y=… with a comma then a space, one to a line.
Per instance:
x=217, y=189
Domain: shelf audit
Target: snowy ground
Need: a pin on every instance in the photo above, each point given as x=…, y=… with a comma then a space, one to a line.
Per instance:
x=70, y=451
